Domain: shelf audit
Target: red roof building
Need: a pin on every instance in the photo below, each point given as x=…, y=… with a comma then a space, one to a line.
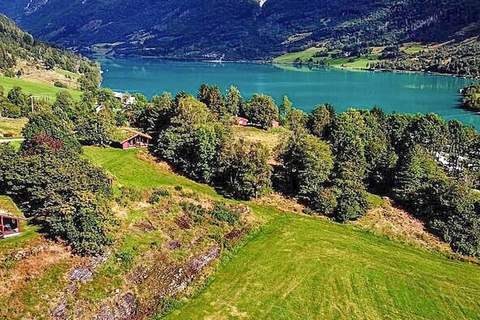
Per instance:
x=136, y=140
x=241, y=121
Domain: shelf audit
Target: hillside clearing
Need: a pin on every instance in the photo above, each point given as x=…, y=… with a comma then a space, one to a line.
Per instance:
x=36, y=89
x=300, y=267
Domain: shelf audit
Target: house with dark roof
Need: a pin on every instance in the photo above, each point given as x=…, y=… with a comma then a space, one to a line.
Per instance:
x=128, y=138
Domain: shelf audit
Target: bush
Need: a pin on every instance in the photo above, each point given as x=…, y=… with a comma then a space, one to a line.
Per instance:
x=60, y=84
x=48, y=124
x=324, y=201
x=351, y=201
x=196, y=212
x=222, y=213
x=193, y=141
x=157, y=195
x=307, y=162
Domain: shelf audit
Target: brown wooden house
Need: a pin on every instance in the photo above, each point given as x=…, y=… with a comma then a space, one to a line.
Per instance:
x=136, y=140
x=127, y=138
x=9, y=225
x=11, y=218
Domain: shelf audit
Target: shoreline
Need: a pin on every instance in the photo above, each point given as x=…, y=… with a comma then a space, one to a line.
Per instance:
x=271, y=62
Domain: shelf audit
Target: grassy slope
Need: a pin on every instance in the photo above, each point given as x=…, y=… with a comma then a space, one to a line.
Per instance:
x=36, y=89
x=305, y=268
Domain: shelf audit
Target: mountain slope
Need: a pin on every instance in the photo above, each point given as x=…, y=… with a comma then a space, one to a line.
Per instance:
x=21, y=55
x=241, y=29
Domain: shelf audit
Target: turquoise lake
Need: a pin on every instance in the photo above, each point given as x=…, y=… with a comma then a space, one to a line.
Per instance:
x=393, y=92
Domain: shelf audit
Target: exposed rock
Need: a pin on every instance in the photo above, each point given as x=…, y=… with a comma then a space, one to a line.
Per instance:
x=60, y=311
x=81, y=274
x=124, y=308
x=173, y=245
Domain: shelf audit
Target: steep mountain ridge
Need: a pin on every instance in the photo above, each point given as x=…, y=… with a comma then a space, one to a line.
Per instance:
x=240, y=29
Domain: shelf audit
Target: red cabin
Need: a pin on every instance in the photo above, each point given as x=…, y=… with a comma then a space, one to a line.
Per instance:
x=275, y=124
x=136, y=140
x=241, y=121
x=9, y=225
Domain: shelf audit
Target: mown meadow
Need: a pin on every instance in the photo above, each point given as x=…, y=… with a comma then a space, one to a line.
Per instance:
x=37, y=89
x=299, y=267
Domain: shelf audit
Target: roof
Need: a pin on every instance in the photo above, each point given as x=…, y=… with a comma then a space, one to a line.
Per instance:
x=8, y=208
x=124, y=134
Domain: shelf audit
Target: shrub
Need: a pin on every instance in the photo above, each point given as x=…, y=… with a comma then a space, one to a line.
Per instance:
x=61, y=192
x=351, y=202
x=307, y=163
x=324, y=201
x=48, y=124
x=60, y=84
x=196, y=212
x=157, y=195
x=222, y=213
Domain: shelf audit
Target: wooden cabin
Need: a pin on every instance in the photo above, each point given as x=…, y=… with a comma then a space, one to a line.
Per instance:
x=127, y=137
x=241, y=121
x=136, y=140
x=10, y=218
x=9, y=226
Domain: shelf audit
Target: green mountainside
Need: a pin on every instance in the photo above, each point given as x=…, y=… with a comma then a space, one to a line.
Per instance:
x=244, y=29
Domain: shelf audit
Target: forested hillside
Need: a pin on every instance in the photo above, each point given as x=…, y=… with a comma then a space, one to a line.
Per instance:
x=22, y=55
x=244, y=29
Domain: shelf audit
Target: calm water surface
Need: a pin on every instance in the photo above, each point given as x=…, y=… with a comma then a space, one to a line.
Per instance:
x=394, y=92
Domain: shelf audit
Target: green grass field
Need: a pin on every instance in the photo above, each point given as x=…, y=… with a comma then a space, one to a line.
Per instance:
x=360, y=63
x=413, y=48
x=299, y=267
x=36, y=89
x=345, y=63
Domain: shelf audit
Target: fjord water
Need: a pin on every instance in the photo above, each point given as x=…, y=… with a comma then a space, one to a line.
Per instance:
x=394, y=92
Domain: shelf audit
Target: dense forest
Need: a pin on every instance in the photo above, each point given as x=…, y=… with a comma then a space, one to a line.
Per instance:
x=330, y=162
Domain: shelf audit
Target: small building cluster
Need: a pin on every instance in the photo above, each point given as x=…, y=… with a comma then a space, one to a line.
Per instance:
x=244, y=122
x=125, y=98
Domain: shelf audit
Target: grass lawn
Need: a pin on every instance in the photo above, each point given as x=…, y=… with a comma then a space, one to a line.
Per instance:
x=306, y=268
x=413, y=48
x=269, y=138
x=36, y=89
x=346, y=63
x=131, y=171
x=299, y=267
